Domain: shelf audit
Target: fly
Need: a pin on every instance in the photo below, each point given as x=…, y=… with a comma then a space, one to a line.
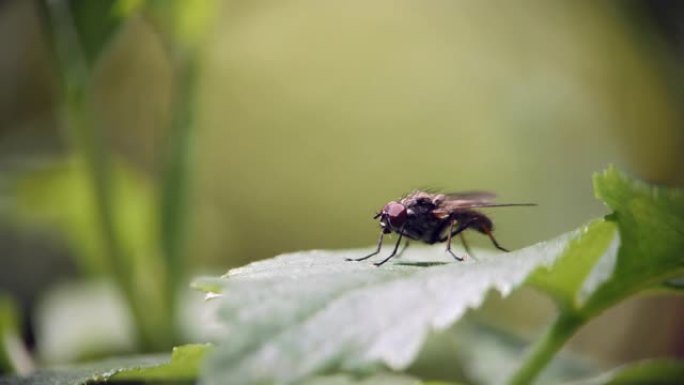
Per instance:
x=435, y=218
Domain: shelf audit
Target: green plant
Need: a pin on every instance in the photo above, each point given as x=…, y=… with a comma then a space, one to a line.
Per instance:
x=107, y=211
x=312, y=317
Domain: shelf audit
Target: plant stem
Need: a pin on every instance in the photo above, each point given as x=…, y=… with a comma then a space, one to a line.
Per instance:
x=546, y=347
x=174, y=196
x=90, y=144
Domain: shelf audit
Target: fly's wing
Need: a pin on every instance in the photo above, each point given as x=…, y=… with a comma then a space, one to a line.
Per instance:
x=470, y=200
x=455, y=201
x=474, y=196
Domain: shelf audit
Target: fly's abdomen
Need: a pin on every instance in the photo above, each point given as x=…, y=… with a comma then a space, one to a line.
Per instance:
x=475, y=220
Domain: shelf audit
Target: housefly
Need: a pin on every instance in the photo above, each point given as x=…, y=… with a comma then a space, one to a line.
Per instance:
x=435, y=218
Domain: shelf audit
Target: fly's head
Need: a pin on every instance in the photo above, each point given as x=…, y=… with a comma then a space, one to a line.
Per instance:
x=392, y=217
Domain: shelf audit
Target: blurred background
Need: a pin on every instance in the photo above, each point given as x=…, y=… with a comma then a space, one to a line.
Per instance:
x=145, y=142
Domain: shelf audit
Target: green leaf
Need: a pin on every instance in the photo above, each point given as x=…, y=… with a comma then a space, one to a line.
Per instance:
x=651, y=224
x=588, y=262
x=305, y=313
x=376, y=379
x=212, y=286
x=182, y=364
x=97, y=21
x=81, y=30
x=637, y=247
x=657, y=371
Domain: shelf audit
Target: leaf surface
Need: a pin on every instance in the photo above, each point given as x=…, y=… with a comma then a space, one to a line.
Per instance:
x=182, y=364
x=301, y=314
x=587, y=263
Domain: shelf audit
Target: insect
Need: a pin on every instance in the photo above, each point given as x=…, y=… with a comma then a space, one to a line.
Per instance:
x=435, y=218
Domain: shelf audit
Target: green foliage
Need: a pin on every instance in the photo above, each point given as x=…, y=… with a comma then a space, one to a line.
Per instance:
x=307, y=313
x=96, y=23
x=303, y=314
x=60, y=197
x=300, y=317
x=657, y=371
x=643, y=254
x=110, y=239
x=651, y=224
x=606, y=265
x=376, y=379
x=569, y=279
x=182, y=364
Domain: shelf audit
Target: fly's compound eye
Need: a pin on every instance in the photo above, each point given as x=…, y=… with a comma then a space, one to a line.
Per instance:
x=395, y=213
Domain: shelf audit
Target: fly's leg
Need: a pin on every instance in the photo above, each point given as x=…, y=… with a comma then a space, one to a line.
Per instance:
x=453, y=232
x=457, y=231
x=382, y=235
x=465, y=245
x=406, y=245
x=496, y=244
x=394, y=252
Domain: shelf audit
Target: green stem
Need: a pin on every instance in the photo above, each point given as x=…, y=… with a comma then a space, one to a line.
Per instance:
x=546, y=347
x=89, y=143
x=174, y=196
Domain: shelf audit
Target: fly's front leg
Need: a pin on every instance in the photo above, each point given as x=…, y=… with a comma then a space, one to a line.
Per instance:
x=382, y=235
x=406, y=245
x=394, y=252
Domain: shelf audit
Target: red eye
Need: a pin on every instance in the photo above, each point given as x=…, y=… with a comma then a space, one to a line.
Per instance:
x=396, y=213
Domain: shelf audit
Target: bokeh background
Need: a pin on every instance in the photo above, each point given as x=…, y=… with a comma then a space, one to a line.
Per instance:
x=309, y=115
